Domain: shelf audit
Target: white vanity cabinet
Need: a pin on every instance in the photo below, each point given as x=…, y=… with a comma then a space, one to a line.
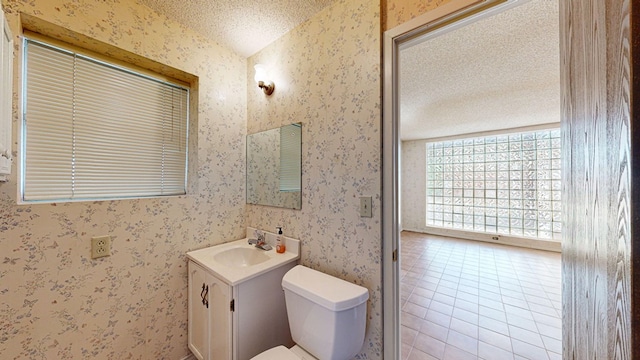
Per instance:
x=210, y=314
x=238, y=311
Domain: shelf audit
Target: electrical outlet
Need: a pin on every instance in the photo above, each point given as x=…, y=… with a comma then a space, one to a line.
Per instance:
x=100, y=246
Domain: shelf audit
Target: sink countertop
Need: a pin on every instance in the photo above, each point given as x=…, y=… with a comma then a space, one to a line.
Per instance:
x=236, y=275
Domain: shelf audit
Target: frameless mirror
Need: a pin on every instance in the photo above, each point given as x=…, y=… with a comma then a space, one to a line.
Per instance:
x=274, y=167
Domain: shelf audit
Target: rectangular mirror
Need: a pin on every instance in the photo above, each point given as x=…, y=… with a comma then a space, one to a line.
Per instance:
x=274, y=167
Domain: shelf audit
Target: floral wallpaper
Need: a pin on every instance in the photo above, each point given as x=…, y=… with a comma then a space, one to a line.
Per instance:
x=397, y=12
x=327, y=76
x=58, y=303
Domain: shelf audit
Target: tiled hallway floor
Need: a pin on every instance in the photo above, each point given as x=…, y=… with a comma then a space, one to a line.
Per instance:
x=472, y=300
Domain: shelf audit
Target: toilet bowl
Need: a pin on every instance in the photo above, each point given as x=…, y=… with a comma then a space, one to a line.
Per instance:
x=327, y=317
x=282, y=353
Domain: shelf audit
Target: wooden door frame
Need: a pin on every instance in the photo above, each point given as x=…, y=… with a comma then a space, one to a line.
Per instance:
x=635, y=171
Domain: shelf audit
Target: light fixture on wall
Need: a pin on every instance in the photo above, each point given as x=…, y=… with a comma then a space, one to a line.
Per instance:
x=261, y=78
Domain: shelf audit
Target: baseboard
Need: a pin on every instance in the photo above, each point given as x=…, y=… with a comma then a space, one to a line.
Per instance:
x=546, y=245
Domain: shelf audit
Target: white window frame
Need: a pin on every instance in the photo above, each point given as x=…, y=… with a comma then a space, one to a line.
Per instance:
x=290, y=155
x=6, y=97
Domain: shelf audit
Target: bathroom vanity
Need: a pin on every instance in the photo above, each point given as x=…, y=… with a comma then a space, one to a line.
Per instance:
x=236, y=302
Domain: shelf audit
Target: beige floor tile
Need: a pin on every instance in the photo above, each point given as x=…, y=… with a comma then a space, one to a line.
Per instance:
x=429, y=345
x=471, y=300
x=463, y=342
x=416, y=354
x=434, y=330
x=495, y=339
x=464, y=327
x=490, y=352
x=453, y=353
x=529, y=351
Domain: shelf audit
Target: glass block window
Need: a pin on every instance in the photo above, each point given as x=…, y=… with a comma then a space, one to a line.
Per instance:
x=503, y=184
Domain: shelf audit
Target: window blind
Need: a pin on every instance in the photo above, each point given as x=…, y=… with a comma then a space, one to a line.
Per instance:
x=290, y=155
x=97, y=131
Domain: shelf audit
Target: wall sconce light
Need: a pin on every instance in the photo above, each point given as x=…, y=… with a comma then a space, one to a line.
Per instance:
x=261, y=78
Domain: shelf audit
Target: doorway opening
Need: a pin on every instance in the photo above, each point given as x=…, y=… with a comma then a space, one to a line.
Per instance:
x=475, y=99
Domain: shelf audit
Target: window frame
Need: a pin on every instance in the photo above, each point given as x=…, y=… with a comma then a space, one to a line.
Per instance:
x=117, y=65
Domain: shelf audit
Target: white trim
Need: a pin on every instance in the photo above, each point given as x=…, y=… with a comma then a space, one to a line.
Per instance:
x=531, y=243
x=444, y=18
x=6, y=99
x=390, y=200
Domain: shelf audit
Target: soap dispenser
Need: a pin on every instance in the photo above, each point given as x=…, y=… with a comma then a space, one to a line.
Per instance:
x=280, y=247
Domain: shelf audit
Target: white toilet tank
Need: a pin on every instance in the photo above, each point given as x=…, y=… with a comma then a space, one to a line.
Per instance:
x=327, y=315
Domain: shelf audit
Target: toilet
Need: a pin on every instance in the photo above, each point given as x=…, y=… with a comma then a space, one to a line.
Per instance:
x=327, y=317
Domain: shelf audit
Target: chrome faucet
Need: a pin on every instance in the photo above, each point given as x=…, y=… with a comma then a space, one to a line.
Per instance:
x=259, y=242
x=264, y=246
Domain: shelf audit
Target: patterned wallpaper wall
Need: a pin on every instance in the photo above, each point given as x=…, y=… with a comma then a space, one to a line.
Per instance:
x=327, y=76
x=57, y=303
x=401, y=11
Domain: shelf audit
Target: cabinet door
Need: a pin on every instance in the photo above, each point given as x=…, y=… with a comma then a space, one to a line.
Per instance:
x=198, y=311
x=220, y=314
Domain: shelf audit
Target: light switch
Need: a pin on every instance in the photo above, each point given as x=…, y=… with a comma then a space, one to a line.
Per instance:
x=365, y=206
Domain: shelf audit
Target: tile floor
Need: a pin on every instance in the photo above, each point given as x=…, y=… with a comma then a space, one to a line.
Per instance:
x=472, y=300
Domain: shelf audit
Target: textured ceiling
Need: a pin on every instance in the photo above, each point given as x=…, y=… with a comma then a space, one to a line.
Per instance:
x=497, y=73
x=244, y=26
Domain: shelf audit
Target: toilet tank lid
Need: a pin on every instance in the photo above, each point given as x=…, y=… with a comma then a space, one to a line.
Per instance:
x=332, y=293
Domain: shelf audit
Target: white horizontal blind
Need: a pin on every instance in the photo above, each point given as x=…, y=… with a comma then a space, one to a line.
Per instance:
x=95, y=131
x=290, y=157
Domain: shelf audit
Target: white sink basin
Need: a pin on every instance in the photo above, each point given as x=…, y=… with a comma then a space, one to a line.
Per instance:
x=237, y=261
x=241, y=257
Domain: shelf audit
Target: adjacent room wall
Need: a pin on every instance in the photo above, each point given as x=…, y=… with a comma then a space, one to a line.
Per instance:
x=413, y=186
x=57, y=303
x=327, y=76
